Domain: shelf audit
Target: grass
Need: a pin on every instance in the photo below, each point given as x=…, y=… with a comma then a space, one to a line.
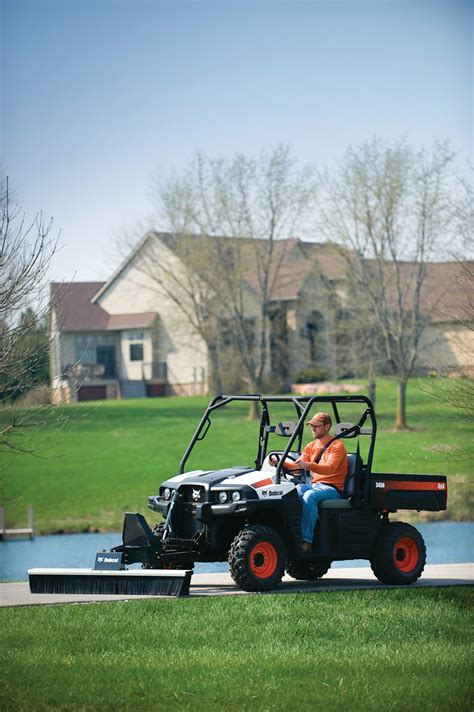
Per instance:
x=111, y=455
x=357, y=650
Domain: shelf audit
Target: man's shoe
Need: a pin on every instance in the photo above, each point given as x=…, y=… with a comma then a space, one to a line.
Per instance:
x=306, y=546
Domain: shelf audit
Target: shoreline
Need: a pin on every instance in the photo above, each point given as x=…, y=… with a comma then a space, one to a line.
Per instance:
x=400, y=515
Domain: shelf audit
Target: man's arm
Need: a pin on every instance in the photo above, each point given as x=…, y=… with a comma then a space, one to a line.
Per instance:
x=298, y=464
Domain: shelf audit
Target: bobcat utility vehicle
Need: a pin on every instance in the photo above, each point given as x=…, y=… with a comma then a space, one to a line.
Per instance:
x=249, y=515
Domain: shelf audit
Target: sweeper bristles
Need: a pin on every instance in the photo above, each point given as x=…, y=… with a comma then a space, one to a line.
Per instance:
x=140, y=582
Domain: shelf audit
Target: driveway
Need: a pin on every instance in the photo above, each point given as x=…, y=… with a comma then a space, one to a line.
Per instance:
x=18, y=594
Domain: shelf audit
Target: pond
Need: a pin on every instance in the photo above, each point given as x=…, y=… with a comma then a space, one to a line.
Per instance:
x=446, y=543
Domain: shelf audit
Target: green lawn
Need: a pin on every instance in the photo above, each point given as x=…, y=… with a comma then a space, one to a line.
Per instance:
x=111, y=455
x=399, y=649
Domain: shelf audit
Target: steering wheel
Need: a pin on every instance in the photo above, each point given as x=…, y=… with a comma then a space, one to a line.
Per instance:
x=297, y=472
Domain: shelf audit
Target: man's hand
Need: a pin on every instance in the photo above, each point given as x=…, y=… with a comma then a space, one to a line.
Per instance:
x=288, y=464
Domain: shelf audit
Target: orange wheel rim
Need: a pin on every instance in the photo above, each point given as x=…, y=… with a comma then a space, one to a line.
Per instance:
x=263, y=560
x=405, y=554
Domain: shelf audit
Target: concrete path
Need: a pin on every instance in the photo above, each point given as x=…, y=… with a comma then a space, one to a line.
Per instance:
x=18, y=594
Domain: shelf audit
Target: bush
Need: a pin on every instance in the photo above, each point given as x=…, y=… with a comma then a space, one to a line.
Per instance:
x=39, y=395
x=311, y=375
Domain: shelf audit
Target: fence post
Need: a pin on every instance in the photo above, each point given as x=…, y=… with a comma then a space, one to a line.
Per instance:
x=3, y=521
x=31, y=521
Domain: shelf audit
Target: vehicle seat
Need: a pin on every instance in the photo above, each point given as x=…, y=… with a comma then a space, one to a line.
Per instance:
x=350, y=486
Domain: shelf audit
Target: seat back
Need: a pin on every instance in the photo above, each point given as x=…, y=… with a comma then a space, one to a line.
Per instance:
x=341, y=428
x=352, y=485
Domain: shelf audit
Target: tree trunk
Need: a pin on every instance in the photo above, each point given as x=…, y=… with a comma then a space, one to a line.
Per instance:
x=253, y=411
x=372, y=389
x=401, y=418
x=215, y=381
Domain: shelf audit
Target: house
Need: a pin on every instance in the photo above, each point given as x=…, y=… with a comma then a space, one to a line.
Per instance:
x=131, y=336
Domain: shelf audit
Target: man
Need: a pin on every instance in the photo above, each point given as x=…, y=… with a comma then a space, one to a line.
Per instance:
x=328, y=475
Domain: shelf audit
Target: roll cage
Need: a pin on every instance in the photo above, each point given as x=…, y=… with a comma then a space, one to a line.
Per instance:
x=294, y=432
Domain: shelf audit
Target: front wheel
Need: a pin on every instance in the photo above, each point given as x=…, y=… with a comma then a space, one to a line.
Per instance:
x=257, y=558
x=399, y=554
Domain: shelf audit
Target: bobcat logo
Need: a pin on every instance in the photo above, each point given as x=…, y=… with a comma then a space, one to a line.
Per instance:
x=196, y=495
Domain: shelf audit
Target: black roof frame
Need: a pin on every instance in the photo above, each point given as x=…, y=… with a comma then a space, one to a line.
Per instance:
x=303, y=405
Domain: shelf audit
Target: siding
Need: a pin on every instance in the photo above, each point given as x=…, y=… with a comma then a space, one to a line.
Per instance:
x=174, y=341
x=447, y=347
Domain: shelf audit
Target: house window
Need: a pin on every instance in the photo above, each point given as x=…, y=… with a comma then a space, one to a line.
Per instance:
x=136, y=352
x=87, y=355
x=86, y=346
x=313, y=331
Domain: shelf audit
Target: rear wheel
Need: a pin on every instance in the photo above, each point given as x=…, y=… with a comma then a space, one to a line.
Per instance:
x=307, y=570
x=399, y=554
x=257, y=558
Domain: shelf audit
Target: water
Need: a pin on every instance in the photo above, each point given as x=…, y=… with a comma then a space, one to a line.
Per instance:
x=446, y=543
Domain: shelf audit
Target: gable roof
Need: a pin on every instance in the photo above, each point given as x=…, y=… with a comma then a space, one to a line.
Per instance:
x=167, y=239
x=282, y=248
x=331, y=259
x=446, y=293
x=75, y=310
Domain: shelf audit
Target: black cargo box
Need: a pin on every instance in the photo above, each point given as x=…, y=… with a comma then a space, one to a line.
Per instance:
x=422, y=492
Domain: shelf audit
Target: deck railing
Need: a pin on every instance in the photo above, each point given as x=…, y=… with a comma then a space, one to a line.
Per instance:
x=156, y=371
x=91, y=371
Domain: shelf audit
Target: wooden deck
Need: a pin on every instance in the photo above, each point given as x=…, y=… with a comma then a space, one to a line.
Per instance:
x=9, y=532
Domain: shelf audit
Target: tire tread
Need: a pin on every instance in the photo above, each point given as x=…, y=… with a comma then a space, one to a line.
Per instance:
x=382, y=558
x=238, y=555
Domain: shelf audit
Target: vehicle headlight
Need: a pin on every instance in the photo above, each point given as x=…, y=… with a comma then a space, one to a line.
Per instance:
x=222, y=497
x=236, y=496
x=167, y=493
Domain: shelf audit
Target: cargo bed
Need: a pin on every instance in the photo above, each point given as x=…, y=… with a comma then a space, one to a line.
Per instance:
x=420, y=492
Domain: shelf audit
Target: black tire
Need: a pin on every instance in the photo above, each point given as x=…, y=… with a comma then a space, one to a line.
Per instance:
x=257, y=558
x=307, y=570
x=399, y=554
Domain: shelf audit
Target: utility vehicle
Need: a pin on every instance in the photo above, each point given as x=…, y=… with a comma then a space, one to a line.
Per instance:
x=249, y=514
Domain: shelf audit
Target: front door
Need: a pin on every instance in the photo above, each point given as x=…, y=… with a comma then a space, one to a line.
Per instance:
x=106, y=356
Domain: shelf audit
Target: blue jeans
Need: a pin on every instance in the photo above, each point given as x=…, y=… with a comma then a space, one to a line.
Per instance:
x=310, y=496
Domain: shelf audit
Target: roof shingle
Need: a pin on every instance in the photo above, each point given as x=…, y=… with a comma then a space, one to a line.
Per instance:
x=75, y=311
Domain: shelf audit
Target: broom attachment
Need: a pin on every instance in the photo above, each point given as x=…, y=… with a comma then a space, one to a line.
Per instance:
x=110, y=577
x=140, y=582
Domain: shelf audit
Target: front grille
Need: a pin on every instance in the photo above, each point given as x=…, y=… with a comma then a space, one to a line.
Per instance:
x=194, y=494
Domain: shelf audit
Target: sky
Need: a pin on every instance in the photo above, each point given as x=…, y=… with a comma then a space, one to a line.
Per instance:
x=99, y=96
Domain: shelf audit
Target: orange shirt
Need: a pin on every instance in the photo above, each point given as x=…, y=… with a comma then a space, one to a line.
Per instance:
x=332, y=468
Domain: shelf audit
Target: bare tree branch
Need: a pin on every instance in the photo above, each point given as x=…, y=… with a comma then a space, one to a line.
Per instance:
x=232, y=219
x=390, y=205
x=26, y=250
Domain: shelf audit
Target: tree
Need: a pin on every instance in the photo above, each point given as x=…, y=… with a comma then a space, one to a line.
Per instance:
x=32, y=352
x=232, y=220
x=458, y=393
x=26, y=250
x=390, y=205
